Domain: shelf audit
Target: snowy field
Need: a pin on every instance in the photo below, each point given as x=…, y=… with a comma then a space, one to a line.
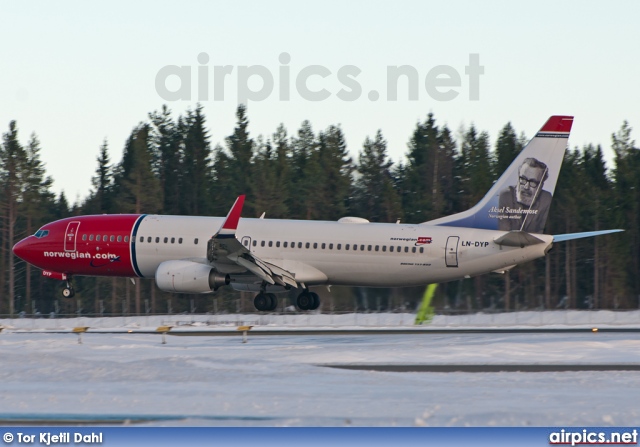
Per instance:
x=280, y=380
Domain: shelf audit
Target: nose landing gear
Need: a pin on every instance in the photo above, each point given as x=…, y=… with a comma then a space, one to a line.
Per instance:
x=68, y=291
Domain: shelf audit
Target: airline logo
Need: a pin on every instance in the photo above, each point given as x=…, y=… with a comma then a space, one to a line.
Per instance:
x=422, y=240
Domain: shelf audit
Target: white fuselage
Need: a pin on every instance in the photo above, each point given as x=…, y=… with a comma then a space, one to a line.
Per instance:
x=321, y=252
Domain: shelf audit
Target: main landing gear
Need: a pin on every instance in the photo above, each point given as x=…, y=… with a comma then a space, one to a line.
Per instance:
x=267, y=302
x=308, y=300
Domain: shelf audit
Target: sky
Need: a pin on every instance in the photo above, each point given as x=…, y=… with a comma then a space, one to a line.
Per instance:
x=77, y=73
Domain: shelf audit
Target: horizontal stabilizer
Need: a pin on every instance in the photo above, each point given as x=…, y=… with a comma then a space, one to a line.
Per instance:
x=517, y=239
x=572, y=236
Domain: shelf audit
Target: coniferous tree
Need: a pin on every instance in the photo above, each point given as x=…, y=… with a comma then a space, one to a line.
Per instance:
x=35, y=199
x=167, y=142
x=627, y=192
x=418, y=185
x=13, y=159
x=271, y=176
x=196, y=166
x=335, y=174
x=375, y=196
x=100, y=198
x=305, y=173
x=138, y=188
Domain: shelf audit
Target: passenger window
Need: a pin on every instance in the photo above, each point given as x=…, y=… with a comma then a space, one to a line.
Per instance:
x=104, y=238
x=391, y=248
x=413, y=250
x=278, y=244
x=180, y=241
x=262, y=244
x=346, y=247
x=126, y=238
x=399, y=249
x=355, y=247
x=158, y=240
x=270, y=243
x=377, y=248
x=119, y=239
x=307, y=245
x=173, y=240
x=98, y=238
x=421, y=249
x=84, y=237
x=112, y=238
x=330, y=246
x=141, y=238
x=91, y=237
x=195, y=241
x=255, y=243
x=323, y=245
x=406, y=249
x=362, y=247
x=369, y=247
x=285, y=244
x=315, y=245
x=299, y=244
x=149, y=239
x=384, y=248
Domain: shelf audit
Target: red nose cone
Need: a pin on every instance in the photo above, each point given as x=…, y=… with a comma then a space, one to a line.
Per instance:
x=21, y=249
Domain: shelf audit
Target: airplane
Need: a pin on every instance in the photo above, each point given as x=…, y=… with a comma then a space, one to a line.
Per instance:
x=189, y=254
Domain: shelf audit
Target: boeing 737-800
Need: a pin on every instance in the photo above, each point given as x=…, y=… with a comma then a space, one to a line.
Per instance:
x=187, y=254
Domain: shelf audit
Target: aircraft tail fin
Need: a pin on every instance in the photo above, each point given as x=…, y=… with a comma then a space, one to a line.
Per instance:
x=521, y=198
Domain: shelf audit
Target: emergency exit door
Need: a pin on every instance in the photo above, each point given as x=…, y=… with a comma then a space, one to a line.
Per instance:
x=451, y=251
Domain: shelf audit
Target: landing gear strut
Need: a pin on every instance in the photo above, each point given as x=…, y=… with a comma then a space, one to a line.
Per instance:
x=308, y=300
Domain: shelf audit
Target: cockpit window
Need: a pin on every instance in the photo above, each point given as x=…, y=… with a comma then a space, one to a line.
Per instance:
x=41, y=233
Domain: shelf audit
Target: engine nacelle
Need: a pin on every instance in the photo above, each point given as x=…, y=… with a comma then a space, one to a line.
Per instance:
x=189, y=277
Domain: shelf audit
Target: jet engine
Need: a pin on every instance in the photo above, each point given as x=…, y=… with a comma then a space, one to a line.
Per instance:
x=189, y=277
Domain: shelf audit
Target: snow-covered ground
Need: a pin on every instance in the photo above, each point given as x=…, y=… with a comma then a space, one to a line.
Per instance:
x=279, y=380
x=528, y=319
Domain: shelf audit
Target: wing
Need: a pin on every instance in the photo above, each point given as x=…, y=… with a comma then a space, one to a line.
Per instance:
x=225, y=248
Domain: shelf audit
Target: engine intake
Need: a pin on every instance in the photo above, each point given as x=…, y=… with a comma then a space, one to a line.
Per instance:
x=189, y=277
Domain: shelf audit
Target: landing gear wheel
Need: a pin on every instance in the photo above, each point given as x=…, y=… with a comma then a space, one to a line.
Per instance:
x=316, y=301
x=305, y=301
x=68, y=292
x=273, y=301
x=262, y=302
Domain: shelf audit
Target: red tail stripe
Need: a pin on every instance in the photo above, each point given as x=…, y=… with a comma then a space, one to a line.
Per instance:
x=558, y=123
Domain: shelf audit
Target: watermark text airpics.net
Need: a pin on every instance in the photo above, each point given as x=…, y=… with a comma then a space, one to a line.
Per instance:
x=312, y=82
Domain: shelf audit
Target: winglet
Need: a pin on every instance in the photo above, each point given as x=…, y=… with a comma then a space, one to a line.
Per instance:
x=228, y=228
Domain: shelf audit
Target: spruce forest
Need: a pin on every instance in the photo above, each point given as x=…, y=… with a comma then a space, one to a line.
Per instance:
x=170, y=166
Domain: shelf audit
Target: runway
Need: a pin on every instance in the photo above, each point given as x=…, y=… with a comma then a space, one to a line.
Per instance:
x=312, y=378
x=487, y=368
